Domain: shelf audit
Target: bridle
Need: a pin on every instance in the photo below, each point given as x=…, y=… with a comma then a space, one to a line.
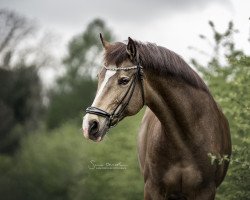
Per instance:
x=120, y=108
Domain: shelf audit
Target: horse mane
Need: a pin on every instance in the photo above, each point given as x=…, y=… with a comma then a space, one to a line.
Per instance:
x=158, y=59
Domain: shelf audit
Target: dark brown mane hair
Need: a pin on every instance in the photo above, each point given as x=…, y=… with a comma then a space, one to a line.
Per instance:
x=160, y=60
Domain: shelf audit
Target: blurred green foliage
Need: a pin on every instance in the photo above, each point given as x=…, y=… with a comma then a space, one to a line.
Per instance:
x=75, y=89
x=20, y=85
x=229, y=83
x=20, y=105
x=69, y=104
x=56, y=165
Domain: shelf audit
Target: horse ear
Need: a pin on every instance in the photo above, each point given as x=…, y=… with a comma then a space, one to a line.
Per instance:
x=131, y=48
x=105, y=44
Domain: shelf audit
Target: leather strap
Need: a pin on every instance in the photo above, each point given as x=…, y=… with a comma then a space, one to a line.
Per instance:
x=118, y=111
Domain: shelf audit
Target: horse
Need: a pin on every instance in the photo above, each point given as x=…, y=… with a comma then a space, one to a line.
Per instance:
x=181, y=126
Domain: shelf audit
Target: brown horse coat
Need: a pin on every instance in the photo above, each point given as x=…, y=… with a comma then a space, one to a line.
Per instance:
x=181, y=126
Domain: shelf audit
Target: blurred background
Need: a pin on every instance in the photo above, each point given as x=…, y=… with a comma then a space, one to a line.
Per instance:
x=49, y=55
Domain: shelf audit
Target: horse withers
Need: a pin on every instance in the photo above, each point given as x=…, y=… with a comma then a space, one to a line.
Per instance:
x=181, y=126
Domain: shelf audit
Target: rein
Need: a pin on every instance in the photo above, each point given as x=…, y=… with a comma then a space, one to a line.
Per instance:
x=118, y=111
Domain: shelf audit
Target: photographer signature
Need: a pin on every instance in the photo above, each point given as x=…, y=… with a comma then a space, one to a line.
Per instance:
x=107, y=165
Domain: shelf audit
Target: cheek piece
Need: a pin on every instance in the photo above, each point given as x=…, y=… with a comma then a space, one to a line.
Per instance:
x=120, y=108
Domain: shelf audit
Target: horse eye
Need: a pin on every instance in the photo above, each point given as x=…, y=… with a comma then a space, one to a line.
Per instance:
x=123, y=81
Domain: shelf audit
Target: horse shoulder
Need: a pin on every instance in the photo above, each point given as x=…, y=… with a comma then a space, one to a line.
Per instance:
x=147, y=124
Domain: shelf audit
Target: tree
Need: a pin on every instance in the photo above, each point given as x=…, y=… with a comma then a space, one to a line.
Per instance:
x=20, y=85
x=14, y=29
x=76, y=88
x=56, y=165
x=229, y=83
x=84, y=50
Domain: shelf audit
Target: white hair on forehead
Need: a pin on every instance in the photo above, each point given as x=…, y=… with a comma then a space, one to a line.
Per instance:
x=108, y=75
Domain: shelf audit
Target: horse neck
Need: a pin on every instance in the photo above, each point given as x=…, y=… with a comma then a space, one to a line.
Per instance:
x=176, y=104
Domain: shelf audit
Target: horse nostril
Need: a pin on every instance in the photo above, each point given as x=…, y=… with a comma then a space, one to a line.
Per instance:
x=93, y=127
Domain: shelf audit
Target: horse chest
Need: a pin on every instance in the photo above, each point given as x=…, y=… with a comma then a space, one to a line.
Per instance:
x=176, y=177
x=184, y=177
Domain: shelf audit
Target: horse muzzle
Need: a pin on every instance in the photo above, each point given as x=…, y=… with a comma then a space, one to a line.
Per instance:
x=94, y=128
